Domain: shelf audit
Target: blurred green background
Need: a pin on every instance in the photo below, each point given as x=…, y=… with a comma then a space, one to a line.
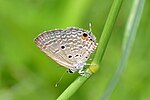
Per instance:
x=28, y=74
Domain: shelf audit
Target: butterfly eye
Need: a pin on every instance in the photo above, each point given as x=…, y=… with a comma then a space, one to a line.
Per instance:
x=84, y=36
x=70, y=71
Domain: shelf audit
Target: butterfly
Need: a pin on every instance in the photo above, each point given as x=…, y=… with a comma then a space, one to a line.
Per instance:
x=70, y=47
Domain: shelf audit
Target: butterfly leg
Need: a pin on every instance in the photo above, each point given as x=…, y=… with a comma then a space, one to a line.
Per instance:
x=81, y=72
x=84, y=73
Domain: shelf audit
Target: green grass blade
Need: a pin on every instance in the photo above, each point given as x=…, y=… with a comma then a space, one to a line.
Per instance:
x=106, y=34
x=99, y=53
x=129, y=37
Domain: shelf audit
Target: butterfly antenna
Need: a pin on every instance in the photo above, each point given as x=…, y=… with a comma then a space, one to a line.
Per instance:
x=56, y=85
x=90, y=26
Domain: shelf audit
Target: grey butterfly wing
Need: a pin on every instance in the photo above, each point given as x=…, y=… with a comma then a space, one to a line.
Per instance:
x=66, y=47
x=49, y=43
x=73, y=39
x=88, y=48
x=68, y=40
x=77, y=48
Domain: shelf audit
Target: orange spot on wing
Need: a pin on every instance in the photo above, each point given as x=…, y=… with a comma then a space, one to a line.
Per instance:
x=84, y=36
